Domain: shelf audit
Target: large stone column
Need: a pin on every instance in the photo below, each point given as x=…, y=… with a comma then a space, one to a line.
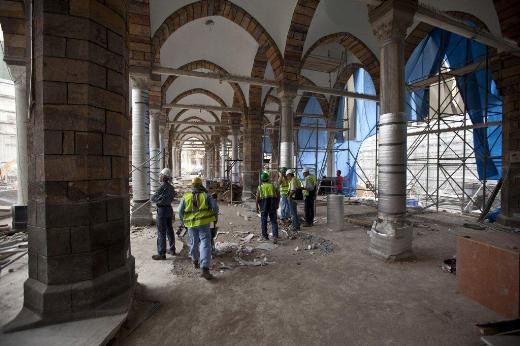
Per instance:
x=330, y=155
x=155, y=159
x=80, y=264
x=235, y=134
x=19, y=211
x=179, y=160
x=252, y=153
x=507, y=77
x=287, y=95
x=211, y=160
x=391, y=235
x=141, y=210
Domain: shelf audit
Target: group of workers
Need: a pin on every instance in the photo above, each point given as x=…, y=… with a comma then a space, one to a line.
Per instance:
x=198, y=210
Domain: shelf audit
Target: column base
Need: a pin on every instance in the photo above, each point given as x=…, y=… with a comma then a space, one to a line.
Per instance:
x=510, y=221
x=141, y=215
x=391, y=241
x=109, y=294
x=19, y=213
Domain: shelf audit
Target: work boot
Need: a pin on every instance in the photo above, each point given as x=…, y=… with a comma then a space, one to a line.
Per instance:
x=171, y=252
x=262, y=238
x=206, y=274
x=196, y=264
x=159, y=257
x=275, y=240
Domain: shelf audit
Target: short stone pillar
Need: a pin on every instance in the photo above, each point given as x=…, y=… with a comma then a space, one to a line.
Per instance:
x=80, y=263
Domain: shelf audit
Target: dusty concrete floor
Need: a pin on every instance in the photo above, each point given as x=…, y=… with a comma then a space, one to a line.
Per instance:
x=305, y=297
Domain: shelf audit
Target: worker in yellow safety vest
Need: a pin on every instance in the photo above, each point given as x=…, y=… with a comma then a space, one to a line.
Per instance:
x=267, y=199
x=197, y=211
x=295, y=194
x=283, y=183
x=309, y=195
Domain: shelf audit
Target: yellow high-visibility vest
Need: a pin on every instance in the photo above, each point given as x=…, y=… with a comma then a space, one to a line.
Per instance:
x=202, y=216
x=267, y=190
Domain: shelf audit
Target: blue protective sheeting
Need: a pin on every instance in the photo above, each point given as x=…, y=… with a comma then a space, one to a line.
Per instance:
x=365, y=113
x=309, y=138
x=267, y=148
x=482, y=104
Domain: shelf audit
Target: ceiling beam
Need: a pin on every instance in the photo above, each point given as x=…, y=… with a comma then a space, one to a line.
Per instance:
x=169, y=71
x=205, y=107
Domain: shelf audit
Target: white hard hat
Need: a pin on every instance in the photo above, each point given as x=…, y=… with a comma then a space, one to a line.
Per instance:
x=289, y=171
x=305, y=170
x=166, y=172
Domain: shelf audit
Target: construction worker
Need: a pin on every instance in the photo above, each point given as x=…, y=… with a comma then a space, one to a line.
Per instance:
x=267, y=200
x=339, y=183
x=309, y=195
x=295, y=194
x=163, y=197
x=197, y=211
x=283, y=184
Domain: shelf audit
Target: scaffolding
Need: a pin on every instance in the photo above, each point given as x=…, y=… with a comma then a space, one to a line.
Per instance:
x=442, y=168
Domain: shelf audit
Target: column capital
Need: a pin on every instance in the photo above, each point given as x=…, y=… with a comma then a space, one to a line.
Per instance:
x=18, y=74
x=391, y=19
x=287, y=91
x=140, y=81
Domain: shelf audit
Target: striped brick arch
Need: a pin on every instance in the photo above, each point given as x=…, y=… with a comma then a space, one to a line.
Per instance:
x=356, y=47
x=296, y=36
x=238, y=98
x=228, y=10
x=196, y=91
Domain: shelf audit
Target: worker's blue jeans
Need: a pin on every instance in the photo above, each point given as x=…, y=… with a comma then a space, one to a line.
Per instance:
x=274, y=224
x=200, y=245
x=285, y=210
x=294, y=215
x=165, y=230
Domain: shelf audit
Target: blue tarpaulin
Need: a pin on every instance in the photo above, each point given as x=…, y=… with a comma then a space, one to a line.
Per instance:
x=310, y=141
x=365, y=113
x=483, y=104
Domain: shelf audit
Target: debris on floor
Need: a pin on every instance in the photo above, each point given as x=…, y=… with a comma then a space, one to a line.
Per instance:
x=312, y=242
x=12, y=248
x=450, y=265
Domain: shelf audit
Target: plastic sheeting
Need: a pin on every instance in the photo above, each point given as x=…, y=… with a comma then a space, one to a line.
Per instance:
x=312, y=142
x=477, y=89
x=365, y=115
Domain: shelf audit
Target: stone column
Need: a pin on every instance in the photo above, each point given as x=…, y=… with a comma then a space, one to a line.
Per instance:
x=19, y=211
x=155, y=149
x=80, y=264
x=391, y=235
x=330, y=155
x=223, y=157
x=211, y=161
x=162, y=146
x=252, y=158
x=507, y=77
x=235, y=133
x=141, y=210
x=274, y=138
x=179, y=160
x=216, y=155
x=287, y=95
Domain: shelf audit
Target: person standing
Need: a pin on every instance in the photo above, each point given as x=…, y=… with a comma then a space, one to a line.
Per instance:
x=309, y=195
x=339, y=183
x=197, y=211
x=283, y=184
x=267, y=200
x=163, y=197
x=295, y=194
